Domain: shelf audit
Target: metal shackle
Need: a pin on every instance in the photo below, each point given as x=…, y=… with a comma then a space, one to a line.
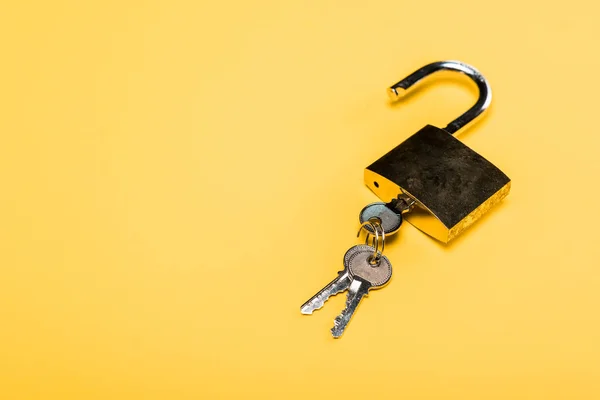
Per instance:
x=485, y=92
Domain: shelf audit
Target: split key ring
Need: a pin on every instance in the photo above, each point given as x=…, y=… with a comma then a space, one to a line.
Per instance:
x=377, y=231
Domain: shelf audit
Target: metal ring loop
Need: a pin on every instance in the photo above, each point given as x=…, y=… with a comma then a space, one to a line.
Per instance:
x=378, y=231
x=375, y=241
x=376, y=257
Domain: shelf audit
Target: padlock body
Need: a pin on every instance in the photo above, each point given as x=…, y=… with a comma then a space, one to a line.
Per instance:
x=453, y=185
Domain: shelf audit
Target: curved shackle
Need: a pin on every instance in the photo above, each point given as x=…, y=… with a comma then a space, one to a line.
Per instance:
x=485, y=92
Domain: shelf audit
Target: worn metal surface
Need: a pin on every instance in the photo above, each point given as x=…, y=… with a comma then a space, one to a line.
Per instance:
x=452, y=184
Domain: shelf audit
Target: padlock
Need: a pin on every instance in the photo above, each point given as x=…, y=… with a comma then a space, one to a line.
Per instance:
x=451, y=185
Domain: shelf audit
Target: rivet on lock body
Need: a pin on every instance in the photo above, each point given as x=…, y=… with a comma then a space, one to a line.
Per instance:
x=451, y=185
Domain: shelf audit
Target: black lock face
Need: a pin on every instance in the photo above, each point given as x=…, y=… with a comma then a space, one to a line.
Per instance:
x=448, y=180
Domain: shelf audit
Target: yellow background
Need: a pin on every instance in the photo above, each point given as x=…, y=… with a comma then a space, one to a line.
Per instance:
x=179, y=177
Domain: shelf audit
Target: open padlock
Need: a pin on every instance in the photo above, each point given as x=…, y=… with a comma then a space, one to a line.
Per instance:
x=452, y=186
x=438, y=183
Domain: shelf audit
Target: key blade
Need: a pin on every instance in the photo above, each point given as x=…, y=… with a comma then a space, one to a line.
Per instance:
x=338, y=285
x=357, y=290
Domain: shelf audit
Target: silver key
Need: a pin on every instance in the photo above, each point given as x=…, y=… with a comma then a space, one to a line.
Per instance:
x=338, y=285
x=364, y=278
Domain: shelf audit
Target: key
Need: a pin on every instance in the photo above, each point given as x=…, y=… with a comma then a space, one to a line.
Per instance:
x=389, y=214
x=390, y=218
x=364, y=278
x=339, y=284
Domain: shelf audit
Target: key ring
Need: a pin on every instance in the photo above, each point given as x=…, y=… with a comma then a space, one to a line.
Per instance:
x=375, y=224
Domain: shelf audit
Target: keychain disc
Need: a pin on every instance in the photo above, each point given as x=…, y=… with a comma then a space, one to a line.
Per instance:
x=390, y=219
